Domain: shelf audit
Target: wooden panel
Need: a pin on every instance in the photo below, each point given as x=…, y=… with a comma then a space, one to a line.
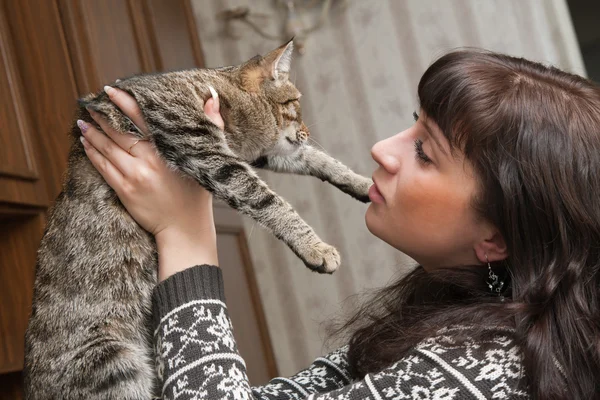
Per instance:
x=15, y=153
x=22, y=191
x=19, y=181
x=19, y=239
x=170, y=35
x=81, y=55
x=48, y=84
x=10, y=386
x=113, y=39
x=102, y=41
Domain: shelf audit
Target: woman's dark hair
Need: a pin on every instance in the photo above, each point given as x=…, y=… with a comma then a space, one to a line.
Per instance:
x=532, y=134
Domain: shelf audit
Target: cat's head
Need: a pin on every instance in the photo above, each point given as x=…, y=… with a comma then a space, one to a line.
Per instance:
x=267, y=77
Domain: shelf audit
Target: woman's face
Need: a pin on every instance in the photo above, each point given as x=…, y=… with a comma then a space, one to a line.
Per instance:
x=421, y=199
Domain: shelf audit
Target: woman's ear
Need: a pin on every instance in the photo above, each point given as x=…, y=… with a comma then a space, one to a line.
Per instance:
x=491, y=248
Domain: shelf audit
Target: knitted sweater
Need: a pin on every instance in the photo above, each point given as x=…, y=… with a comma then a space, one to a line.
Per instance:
x=197, y=357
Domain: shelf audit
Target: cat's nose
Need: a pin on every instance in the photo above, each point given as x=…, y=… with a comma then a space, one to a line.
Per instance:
x=304, y=129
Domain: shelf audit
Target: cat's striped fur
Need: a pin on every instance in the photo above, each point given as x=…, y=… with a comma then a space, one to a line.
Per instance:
x=88, y=335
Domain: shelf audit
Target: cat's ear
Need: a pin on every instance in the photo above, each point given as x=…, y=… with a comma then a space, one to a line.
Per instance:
x=273, y=66
x=278, y=61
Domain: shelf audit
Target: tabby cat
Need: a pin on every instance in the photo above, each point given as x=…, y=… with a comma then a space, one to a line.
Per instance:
x=89, y=332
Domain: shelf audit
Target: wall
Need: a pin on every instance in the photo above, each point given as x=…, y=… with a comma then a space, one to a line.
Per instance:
x=359, y=78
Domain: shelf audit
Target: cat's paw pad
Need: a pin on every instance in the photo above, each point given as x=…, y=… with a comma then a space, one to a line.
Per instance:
x=323, y=258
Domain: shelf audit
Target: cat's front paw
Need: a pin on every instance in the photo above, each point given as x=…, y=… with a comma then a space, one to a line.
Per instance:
x=322, y=258
x=362, y=189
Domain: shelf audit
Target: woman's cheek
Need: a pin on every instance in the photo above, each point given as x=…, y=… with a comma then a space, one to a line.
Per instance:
x=411, y=191
x=419, y=202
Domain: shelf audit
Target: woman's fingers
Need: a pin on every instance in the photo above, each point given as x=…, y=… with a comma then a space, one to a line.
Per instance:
x=103, y=144
x=123, y=139
x=128, y=105
x=109, y=172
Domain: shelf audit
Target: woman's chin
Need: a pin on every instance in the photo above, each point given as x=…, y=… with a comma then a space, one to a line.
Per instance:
x=372, y=220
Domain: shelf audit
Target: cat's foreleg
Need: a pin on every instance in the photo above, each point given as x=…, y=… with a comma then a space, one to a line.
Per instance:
x=308, y=160
x=234, y=182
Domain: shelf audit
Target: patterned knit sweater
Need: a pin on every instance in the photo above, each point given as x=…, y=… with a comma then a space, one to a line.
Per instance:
x=197, y=357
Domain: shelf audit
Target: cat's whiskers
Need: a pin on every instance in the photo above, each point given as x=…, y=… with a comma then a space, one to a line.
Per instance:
x=310, y=138
x=311, y=125
x=317, y=143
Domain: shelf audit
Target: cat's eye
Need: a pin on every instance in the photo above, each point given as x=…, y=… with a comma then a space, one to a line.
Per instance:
x=291, y=100
x=420, y=154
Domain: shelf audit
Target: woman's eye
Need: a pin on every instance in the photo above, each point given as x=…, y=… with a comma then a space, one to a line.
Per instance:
x=415, y=116
x=420, y=154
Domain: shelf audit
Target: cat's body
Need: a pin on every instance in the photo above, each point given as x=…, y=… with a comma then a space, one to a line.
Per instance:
x=89, y=332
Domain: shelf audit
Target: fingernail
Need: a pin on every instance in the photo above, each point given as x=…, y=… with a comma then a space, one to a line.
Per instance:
x=109, y=90
x=215, y=96
x=82, y=126
x=84, y=142
x=213, y=92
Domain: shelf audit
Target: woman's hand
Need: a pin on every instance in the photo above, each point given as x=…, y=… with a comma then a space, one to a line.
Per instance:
x=176, y=209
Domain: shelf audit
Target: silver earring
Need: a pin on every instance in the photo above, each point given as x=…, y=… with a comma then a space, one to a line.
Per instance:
x=493, y=282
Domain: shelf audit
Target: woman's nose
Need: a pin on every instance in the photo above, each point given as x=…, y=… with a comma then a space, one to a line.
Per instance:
x=386, y=154
x=376, y=151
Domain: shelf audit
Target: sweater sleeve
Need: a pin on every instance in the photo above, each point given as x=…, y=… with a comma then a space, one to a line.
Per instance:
x=196, y=353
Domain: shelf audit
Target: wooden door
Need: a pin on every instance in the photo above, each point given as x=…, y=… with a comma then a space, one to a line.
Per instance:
x=51, y=53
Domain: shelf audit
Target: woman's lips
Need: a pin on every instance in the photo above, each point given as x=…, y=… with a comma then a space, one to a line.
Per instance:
x=375, y=195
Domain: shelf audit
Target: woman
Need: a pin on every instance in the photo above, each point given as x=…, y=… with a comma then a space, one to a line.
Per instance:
x=493, y=191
